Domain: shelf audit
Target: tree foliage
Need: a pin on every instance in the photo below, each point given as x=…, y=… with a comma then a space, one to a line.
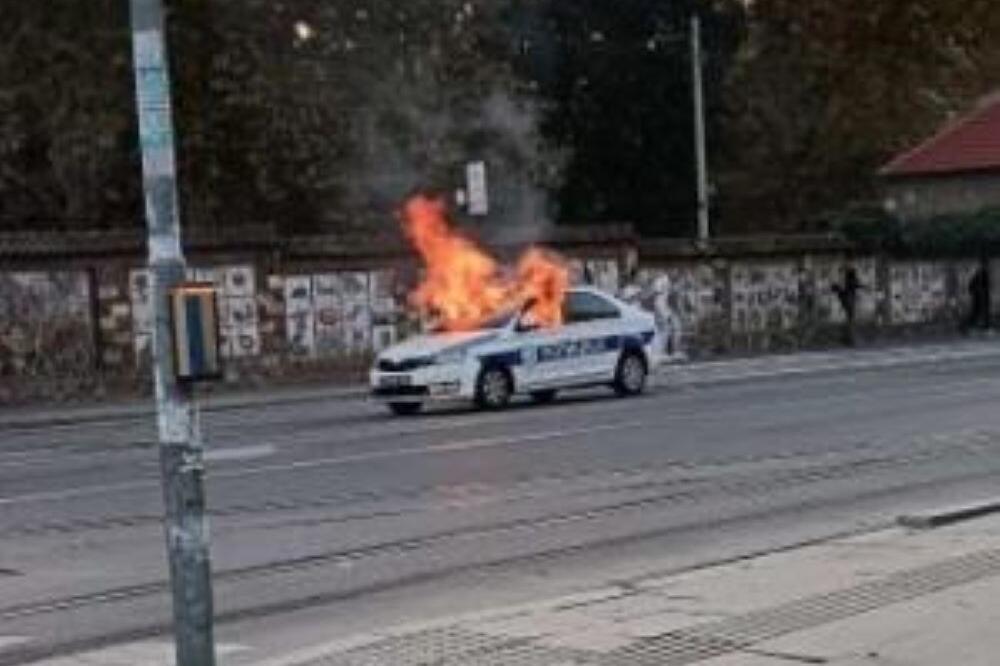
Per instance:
x=311, y=115
x=617, y=76
x=66, y=127
x=827, y=90
x=320, y=115
x=956, y=235
x=328, y=113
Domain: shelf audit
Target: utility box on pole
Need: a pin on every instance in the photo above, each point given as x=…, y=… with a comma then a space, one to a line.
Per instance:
x=194, y=317
x=478, y=199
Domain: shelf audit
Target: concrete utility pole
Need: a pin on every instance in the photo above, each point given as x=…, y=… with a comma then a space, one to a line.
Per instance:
x=181, y=457
x=699, y=129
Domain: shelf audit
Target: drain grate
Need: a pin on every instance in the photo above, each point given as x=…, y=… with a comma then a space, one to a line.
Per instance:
x=447, y=646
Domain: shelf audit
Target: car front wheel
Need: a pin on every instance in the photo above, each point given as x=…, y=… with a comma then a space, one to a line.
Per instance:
x=493, y=388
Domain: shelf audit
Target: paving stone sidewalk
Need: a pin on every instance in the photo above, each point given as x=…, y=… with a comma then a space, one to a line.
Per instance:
x=897, y=597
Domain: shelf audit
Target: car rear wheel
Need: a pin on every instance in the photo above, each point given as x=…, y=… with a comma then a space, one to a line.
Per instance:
x=405, y=408
x=630, y=376
x=493, y=388
x=543, y=397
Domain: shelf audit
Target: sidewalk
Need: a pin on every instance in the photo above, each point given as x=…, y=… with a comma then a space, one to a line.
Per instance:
x=678, y=372
x=897, y=597
x=893, y=597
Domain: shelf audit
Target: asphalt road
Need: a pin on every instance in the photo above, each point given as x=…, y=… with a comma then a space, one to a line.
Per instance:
x=329, y=516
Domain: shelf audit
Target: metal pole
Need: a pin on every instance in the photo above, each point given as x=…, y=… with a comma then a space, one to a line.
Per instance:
x=699, y=129
x=181, y=458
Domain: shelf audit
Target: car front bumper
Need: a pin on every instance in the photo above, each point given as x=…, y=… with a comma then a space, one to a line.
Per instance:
x=423, y=385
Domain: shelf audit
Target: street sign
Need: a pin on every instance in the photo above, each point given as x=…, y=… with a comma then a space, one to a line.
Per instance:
x=478, y=195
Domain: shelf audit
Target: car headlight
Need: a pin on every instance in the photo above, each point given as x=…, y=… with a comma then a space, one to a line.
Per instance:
x=451, y=357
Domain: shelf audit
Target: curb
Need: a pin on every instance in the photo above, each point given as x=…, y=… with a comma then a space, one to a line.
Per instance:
x=941, y=518
x=207, y=405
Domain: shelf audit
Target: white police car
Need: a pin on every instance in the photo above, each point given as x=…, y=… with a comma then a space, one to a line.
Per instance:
x=602, y=341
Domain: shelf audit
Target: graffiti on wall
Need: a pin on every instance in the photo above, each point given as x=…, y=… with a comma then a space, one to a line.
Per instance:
x=919, y=291
x=238, y=313
x=343, y=312
x=140, y=289
x=680, y=298
x=684, y=299
x=348, y=312
x=765, y=296
x=45, y=323
x=238, y=310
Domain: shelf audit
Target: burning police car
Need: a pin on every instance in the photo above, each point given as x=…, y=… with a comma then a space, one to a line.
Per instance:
x=601, y=341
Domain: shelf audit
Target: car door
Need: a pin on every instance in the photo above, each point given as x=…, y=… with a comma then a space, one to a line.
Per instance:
x=543, y=354
x=540, y=365
x=591, y=324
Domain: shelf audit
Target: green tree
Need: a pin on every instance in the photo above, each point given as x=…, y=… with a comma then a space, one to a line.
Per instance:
x=827, y=90
x=66, y=122
x=323, y=115
x=617, y=79
x=306, y=115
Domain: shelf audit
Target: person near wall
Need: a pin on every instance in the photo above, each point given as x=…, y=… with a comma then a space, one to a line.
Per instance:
x=979, y=297
x=847, y=294
x=667, y=320
x=656, y=298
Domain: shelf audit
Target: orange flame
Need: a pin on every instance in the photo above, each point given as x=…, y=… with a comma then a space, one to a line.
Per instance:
x=464, y=286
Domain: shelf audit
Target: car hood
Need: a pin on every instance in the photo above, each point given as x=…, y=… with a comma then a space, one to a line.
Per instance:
x=429, y=345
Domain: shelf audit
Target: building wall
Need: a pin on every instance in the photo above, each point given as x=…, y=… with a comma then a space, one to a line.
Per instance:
x=46, y=327
x=58, y=323
x=928, y=196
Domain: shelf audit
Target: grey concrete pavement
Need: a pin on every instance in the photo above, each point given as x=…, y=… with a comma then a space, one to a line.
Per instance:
x=330, y=516
x=893, y=596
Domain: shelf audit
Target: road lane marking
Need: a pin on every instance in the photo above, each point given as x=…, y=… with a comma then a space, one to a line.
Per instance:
x=468, y=445
x=971, y=388
x=240, y=453
x=87, y=491
x=7, y=642
x=34, y=459
x=968, y=387
x=452, y=447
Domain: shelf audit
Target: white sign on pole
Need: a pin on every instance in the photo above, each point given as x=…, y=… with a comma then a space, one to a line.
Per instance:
x=475, y=175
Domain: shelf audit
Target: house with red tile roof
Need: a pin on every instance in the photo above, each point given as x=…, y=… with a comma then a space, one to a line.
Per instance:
x=955, y=171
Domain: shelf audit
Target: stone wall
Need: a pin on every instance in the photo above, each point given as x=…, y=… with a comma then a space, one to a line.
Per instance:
x=46, y=328
x=302, y=313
